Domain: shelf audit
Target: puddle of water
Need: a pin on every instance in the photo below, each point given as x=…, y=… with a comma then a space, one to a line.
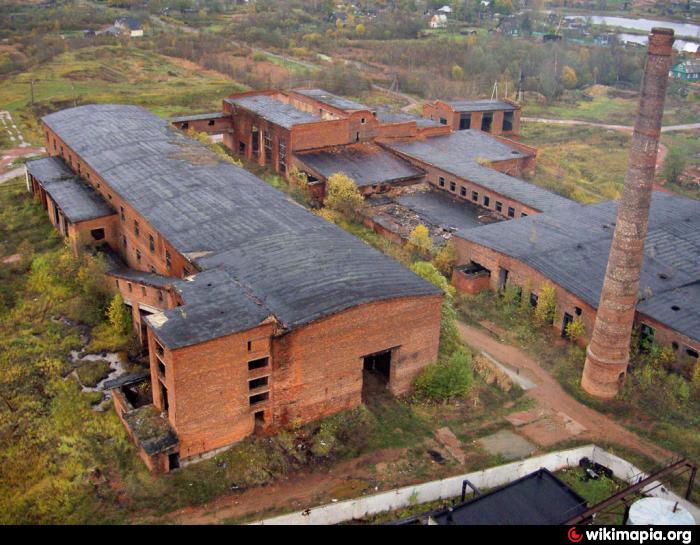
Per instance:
x=116, y=363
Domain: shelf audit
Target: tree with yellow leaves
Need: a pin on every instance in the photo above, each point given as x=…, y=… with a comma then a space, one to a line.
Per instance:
x=420, y=240
x=343, y=196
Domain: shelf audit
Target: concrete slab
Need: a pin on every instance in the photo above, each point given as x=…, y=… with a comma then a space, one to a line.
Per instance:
x=551, y=429
x=525, y=417
x=451, y=444
x=513, y=374
x=508, y=445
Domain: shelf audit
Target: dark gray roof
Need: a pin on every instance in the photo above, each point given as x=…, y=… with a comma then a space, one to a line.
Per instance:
x=262, y=253
x=330, y=99
x=385, y=115
x=77, y=200
x=273, y=110
x=537, y=499
x=483, y=105
x=440, y=208
x=131, y=22
x=366, y=164
x=571, y=246
x=459, y=153
x=198, y=117
x=678, y=308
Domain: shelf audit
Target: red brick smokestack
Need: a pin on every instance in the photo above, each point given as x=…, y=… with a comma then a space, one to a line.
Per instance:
x=608, y=353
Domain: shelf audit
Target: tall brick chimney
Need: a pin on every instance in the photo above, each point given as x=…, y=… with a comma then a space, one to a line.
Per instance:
x=608, y=353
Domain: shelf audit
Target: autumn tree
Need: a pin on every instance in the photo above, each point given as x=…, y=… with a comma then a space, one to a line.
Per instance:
x=343, y=196
x=546, y=304
x=118, y=315
x=360, y=30
x=445, y=258
x=420, y=240
x=569, y=79
x=674, y=165
x=457, y=72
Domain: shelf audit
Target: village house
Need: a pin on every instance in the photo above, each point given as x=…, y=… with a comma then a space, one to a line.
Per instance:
x=129, y=26
x=254, y=312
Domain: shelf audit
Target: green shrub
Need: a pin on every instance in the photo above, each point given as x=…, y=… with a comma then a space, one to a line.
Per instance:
x=546, y=304
x=91, y=373
x=440, y=382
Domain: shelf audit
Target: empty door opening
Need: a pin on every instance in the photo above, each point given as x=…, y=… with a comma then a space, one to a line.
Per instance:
x=259, y=420
x=173, y=461
x=502, y=279
x=568, y=318
x=376, y=372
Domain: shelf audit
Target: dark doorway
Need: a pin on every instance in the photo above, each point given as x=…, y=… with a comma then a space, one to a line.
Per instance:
x=259, y=420
x=376, y=372
x=255, y=142
x=486, y=121
x=568, y=318
x=174, y=460
x=502, y=279
x=465, y=121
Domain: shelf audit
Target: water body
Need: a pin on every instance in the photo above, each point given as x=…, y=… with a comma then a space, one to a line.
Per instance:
x=680, y=45
x=681, y=29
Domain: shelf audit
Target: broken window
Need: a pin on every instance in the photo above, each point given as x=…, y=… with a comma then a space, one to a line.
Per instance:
x=267, y=137
x=282, y=160
x=487, y=200
x=255, y=142
x=578, y=311
x=258, y=364
x=98, y=234
x=691, y=352
x=257, y=383
x=241, y=147
x=443, y=121
x=211, y=122
x=508, y=121
x=499, y=206
x=465, y=121
x=129, y=287
x=463, y=191
x=646, y=337
x=441, y=182
x=511, y=212
x=151, y=243
x=153, y=269
x=250, y=346
x=173, y=461
x=259, y=398
x=121, y=213
x=137, y=230
x=185, y=125
x=486, y=121
x=138, y=256
x=568, y=318
x=533, y=299
x=124, y=240
x=161, y=368
x=185, y=271
x=160, y=296
x=523, y=215
x=143, y=291
x=159, y=349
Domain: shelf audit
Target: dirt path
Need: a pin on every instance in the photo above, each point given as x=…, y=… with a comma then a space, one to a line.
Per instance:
x=626, y=128
x=551, y=396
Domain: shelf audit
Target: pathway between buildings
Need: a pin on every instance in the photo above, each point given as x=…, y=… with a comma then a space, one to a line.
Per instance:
x=627, y=128
x=550, y=396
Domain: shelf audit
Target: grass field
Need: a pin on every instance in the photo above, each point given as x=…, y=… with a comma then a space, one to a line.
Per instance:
x=586, y=164
x=600, y=104
x=165, y=85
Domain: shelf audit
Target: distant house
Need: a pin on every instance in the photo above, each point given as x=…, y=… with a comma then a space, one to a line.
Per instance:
x=130, y=26
x=445, y=9
x=686, y=71
x=439, y=20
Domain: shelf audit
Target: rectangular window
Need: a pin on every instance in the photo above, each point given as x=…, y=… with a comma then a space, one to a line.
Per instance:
x=159, y=349
x=137, y=231
x=499, y=206
x=533, y=300
x=691, y=352
x=475, y=196
x=168, y=262
x=463, y=191
x=486, y=121
x=487, y=200
x=124, y=240
x=507, y=121
x=443, y=121
x=153, y=269
x=259, y=398
x=523, y=215
x=138, y=256
x=250, y=346
x=129, y=287
x=465, y=121
x=257, y=383
x=258, y=364
x=511, y=212
x=268, y=146
x=160, y=296
x=151, y=244
x=442, y=181
x=453, y=186
x=282, y=161
x=121, y=213
x=143, y=291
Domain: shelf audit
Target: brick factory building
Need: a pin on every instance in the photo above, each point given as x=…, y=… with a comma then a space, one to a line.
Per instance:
x=255, y=312
x=492, y=116
x=569, y=247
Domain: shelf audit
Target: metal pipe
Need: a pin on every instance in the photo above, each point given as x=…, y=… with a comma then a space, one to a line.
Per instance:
x=608, y=353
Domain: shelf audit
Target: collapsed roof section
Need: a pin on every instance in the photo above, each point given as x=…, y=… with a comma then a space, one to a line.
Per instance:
x=461, y=153
x=261, y=254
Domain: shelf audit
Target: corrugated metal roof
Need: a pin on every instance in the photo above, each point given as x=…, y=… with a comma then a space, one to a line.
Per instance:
x=483, y=105
x=460, y=152
x=263, y=254
x=366, y=164
x=198, y=117
x=330, y=99
x=274, y=111
x=571, y=247
x=77, y=200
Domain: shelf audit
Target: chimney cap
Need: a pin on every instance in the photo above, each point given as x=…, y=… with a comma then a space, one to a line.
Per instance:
x=662, y=30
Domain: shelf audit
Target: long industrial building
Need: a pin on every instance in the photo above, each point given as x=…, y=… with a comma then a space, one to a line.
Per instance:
x=255, y=311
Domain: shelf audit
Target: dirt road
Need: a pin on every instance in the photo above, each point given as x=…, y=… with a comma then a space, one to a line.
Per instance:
x=551, y=396
x=626, y=128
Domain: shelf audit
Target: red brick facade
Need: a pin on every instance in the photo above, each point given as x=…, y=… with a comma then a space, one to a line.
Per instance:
x=444, y=113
